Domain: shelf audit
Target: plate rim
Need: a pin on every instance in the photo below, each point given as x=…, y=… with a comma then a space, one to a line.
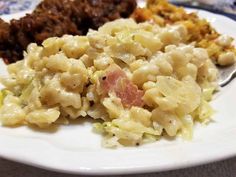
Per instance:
x=115, y=171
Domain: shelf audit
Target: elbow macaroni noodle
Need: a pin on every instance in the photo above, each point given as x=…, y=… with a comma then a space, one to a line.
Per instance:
x=61, y=79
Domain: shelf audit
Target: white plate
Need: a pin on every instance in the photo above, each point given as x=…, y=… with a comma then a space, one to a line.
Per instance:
x=76, y=149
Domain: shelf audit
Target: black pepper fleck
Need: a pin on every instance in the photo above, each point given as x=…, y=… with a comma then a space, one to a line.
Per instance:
x=91, y=103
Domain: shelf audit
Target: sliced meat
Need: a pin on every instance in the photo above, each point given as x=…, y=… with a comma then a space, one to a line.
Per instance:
x=116, y=81
x=110, y=80
x=129, y=93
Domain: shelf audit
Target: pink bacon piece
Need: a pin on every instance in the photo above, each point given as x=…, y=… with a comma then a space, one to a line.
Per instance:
x=117, y=81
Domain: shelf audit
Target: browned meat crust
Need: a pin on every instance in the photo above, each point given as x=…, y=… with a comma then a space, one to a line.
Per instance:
x=56, y=18
x=5, y=38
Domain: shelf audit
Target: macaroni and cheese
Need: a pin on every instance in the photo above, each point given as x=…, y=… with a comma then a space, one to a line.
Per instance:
x=140, y=79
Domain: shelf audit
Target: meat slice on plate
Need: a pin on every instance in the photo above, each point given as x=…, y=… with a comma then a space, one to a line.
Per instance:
x=116, y=81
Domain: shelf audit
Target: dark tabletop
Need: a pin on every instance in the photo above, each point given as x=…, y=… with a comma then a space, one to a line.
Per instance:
x=226, y=168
